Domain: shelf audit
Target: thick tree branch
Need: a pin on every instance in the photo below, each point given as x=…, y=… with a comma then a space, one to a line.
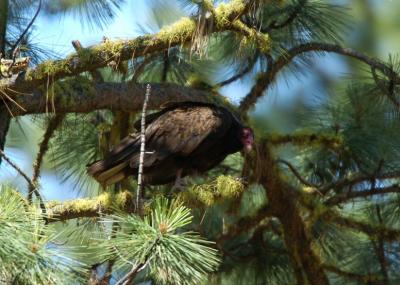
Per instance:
x=81, y=96
x=282, y=199
x=94, y=57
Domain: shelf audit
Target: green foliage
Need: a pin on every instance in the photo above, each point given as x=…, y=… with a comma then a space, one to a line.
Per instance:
x=30, y=253
x=94, y=12
x=76, y=144
x=159, y=243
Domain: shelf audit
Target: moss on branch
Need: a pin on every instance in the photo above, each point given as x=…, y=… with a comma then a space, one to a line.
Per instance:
x=91, y=58
x=103, y=204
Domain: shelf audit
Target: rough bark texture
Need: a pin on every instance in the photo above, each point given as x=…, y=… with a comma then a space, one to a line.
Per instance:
x=284, y=205
x=83, y=96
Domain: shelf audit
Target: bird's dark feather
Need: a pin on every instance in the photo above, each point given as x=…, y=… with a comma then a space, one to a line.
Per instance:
x=190, y=136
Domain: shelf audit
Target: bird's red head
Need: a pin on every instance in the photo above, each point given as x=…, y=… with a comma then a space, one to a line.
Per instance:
x=247, y=139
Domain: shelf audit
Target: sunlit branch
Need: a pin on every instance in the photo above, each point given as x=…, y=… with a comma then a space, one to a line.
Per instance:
x=100, y=55
x=106, y=203
x=266, y=78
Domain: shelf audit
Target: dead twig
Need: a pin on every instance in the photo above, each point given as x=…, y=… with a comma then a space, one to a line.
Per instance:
x=142, y=149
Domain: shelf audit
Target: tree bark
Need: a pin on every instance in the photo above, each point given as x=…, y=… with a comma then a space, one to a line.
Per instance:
x=283, y=202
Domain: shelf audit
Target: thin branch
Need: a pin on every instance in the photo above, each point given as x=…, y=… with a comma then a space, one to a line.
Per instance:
x=344, y=197
x=166, y=66
x=356, y=179
x=15, y=48
x=27, y=28
x=379, y=248
x=296, y=173
x=44, y=146
x=142, y=149
x=383, y=232
x=128, y=278
x=290, y=19
x=97, y=77
x=26, y=177
x=369, y=279
x=266, y=78
x=139, y=70
x=242, y=73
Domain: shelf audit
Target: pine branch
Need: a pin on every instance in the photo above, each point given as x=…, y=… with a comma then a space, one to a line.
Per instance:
x=245, y=224
x=345, y=197
x=106, y=203
x=267, y=78
x=283, y=201
x=240, y=74
x=306, y=139
x=296, y=173
x=290, y=19
x=44, y=146
x=356, y=179
x=15, y=45
x=100, y=55
x=80, y=95
x=27, y=179
x=383, y=232
x=368, y=279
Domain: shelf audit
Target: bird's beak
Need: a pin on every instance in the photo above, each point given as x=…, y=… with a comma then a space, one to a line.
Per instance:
x=248, y=148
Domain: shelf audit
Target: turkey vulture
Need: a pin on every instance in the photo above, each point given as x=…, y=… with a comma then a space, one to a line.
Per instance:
x=181, y=139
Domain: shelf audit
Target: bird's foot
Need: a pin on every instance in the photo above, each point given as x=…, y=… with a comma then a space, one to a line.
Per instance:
x=179, y=184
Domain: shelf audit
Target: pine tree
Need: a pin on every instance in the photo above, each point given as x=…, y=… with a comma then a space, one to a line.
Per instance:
x=316, y=203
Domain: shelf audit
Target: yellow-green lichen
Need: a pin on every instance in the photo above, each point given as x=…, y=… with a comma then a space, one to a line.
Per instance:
x=178, y=32
x=223, y=187
x=224, y=11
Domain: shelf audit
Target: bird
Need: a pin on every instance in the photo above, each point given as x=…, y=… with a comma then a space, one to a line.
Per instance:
x=182, y=139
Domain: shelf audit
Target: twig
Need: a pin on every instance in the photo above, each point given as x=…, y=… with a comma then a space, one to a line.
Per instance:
x=26, y=29
x=44, y=146
x=297, y=174
x=242, y=73
x=23, y=174
x=290, y=19
x=97, y=77
x=14, y=49
x=127, y=279
x=142, y=149
x=362, y=194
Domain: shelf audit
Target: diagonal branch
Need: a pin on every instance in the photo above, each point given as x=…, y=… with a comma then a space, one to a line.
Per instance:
x=100, y=55
x=31, y=185
x=266, y=78
x=44, y=146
